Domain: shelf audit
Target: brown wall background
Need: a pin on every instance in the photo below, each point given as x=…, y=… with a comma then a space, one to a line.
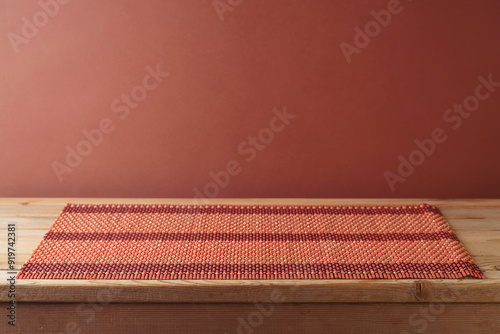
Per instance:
x=353, y=120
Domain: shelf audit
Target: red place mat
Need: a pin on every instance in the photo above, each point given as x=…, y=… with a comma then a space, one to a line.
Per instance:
x=248, y=242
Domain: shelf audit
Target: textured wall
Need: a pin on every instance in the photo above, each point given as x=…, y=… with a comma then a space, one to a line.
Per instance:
x=240, y=98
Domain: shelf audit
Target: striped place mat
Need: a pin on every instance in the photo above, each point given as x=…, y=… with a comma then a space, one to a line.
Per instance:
x=248, y=242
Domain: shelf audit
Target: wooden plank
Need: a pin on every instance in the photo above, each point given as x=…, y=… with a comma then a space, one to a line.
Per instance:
x=273, y=318
x=476, y=222
x=28, y=223
x=483, y=248
x=487, y=262
x=215, y=291
x=474, y=203
x=52, y=211
x=469, y=213
x=480, y=224
x=458, y=291
x=234, y=291
x=477, y=235
x=38, y=211
x=490, y=275
x=26, y=242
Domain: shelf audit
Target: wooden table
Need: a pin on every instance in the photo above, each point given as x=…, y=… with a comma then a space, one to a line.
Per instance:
x=256, y=306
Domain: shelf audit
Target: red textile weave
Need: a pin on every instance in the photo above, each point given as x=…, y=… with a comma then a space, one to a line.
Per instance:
x=249, y=242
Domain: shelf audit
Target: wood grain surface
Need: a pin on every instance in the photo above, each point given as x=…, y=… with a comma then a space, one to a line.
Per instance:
x=476, y=223
x=256, y=306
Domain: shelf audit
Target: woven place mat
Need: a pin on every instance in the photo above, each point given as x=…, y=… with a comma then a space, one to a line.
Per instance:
x=248, y=242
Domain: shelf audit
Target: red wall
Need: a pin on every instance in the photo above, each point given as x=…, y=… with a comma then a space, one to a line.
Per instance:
x=66, y=72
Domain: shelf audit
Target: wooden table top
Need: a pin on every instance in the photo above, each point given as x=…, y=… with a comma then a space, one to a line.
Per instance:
x=476, y=223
